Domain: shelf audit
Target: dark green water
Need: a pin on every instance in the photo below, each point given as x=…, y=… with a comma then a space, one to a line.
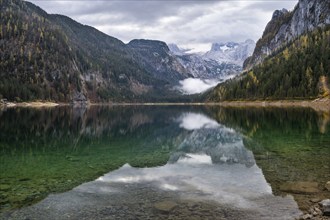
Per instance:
x=46, y=151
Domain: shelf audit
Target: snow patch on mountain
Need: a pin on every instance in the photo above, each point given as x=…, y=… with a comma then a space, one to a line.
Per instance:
x=224, y=48
x=231, y=52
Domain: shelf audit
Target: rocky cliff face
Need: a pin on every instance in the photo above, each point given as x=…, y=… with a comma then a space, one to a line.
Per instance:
x=286, y=26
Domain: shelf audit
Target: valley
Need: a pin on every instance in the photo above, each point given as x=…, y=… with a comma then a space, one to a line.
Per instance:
x=164, y=110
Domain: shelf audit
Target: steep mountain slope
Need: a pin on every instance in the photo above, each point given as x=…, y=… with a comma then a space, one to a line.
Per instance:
x=52, y=57
x=298, y=67
x=285, y=26
x=156, y=58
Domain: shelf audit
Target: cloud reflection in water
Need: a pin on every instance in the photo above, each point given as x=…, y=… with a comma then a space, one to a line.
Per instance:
x=210, y=164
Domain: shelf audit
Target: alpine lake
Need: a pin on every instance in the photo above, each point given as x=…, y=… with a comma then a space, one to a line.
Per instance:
x=162, y=162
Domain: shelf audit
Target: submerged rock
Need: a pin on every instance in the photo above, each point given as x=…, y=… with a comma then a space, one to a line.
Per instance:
x=327, y=185
x=314, y=213
x=300, y=187
x=307, y=216
x=165, y=206
x=315, y=200
x=325, y=206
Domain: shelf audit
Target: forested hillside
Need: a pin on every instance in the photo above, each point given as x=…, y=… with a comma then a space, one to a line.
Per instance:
x=52, y=57
x=30, y=58
x=298, y=70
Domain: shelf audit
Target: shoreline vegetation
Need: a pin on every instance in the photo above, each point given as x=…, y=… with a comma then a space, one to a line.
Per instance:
x=321, y=104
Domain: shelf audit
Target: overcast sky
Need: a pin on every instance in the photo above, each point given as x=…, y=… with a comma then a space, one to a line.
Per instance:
x=190, y=24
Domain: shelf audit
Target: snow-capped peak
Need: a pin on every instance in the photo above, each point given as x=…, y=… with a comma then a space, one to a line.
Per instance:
x=231, y=52
x=223, y=61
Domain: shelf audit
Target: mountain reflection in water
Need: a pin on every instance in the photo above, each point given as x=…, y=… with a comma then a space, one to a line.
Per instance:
x=209, y=166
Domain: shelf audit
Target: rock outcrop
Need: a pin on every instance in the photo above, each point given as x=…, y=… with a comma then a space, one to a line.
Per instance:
x=286, y=26
x=325, y=207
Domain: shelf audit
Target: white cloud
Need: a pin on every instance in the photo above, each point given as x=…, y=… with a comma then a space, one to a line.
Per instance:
x=195, y=85
x=193, y=121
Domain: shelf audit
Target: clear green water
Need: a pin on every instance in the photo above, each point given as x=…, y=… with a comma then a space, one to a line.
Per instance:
x=56, y=149
x=289, y=145
x=53, y=150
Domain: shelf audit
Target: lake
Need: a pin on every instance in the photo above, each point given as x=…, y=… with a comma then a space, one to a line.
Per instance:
x=162, y=162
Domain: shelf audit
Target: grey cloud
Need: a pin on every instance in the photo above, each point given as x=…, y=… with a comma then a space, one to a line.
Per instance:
x=139, y=11
x=187, y=23
x=270, y=6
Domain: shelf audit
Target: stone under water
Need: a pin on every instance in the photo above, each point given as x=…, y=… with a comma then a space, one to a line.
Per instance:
x=300, y=187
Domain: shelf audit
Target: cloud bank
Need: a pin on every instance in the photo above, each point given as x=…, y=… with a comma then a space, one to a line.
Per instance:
x=191, y=24
x=194, y=85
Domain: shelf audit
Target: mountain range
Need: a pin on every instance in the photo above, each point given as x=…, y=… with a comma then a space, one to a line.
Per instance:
x=52, y=57
x=222, y=61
